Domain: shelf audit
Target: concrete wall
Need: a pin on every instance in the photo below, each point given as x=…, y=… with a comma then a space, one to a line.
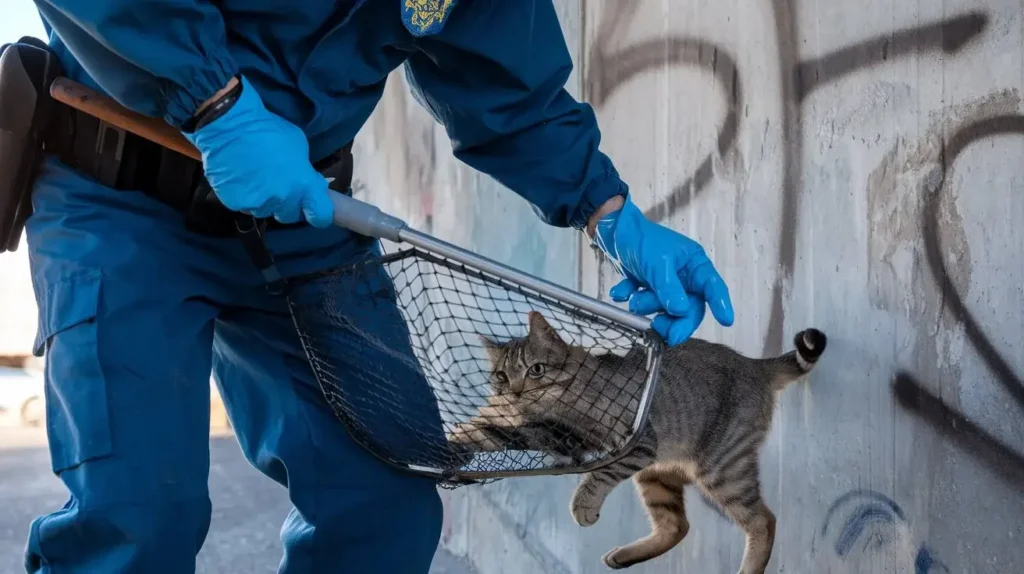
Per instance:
x=855, y=166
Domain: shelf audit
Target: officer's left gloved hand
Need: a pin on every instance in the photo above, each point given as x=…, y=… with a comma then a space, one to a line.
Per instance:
x=258, y=163
x=665, y=272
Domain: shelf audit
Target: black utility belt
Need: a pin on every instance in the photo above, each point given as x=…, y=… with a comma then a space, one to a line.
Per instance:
x=121, y=160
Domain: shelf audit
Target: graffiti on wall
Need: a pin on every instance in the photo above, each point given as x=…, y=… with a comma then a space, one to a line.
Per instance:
x=863, y=521
x=610, y=65
x=910, y=393
x=608, y=71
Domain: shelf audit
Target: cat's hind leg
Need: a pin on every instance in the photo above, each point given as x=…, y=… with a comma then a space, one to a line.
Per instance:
x=592, y=491
x=661, y=491
x=758, y=521
x=737, y=491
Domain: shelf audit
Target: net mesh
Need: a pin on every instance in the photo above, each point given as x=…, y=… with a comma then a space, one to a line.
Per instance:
x=445, y=370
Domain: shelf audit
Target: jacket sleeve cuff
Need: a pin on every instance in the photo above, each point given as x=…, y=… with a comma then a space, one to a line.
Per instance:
x=599, y=191
x=184, y=98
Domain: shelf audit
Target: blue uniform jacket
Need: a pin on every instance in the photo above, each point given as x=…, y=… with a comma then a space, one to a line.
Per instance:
x=491, y=71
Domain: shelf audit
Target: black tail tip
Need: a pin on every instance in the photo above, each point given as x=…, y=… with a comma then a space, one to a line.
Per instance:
x=810, y=343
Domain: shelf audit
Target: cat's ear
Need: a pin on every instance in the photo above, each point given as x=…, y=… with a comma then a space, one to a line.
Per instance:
x=493, y=348
x=542, y=330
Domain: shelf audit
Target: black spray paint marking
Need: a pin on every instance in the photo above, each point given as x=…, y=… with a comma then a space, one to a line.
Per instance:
x=787, y=39
x=949, y=35
x=911, y=394
x=970, y=437
x=971, y=133
x=607, y=72
x=865, y=520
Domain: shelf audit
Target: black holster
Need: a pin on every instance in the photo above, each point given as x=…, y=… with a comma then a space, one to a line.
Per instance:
x=27, y=68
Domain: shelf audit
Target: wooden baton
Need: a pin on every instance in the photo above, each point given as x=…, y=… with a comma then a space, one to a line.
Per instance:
x=95, y=104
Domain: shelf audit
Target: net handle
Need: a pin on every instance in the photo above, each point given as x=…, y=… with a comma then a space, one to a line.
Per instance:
x=367, y=219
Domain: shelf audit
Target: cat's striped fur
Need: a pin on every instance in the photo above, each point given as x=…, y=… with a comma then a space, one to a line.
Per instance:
x=709, y=417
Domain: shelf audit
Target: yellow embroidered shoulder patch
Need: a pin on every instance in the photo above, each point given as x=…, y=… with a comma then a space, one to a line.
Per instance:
x=425, y=17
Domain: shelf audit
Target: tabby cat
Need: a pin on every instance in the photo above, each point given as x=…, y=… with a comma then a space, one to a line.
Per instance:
x=710, y=414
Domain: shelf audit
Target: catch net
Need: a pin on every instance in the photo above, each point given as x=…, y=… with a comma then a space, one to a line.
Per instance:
x=445, y=370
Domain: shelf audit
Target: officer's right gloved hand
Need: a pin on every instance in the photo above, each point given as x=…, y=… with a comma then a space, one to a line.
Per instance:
x=665, y=272
x=258, y=163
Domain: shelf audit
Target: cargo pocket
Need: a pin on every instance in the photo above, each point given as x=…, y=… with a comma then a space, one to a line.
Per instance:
x=77, y=411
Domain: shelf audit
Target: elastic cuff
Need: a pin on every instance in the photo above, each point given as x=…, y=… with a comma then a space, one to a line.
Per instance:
x=215, y=110
x=182, y=101
x=597, y=193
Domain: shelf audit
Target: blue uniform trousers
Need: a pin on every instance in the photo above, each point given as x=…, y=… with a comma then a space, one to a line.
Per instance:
x=134, y=311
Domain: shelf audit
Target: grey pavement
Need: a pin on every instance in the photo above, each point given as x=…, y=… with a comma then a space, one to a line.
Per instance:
x=248, y=509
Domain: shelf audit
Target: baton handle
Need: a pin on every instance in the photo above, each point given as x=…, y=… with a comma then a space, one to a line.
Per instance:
x=105, y=108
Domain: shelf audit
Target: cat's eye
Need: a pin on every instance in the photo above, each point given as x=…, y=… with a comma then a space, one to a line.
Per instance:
x=501, y=377
x=536, y=371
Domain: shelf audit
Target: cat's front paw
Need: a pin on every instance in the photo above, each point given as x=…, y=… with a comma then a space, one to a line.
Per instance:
x=461, y=435
x=584, y=514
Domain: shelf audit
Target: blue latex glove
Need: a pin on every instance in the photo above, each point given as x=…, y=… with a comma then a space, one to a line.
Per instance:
x=258, y=163
x=665, y=272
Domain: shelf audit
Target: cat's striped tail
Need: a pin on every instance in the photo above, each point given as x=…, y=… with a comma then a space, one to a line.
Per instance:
x=787, y=368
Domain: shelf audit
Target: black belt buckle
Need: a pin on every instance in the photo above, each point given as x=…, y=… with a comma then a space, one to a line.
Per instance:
x=109, y=153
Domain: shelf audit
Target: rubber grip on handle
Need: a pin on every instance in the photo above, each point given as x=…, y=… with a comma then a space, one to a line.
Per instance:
x=364, y=218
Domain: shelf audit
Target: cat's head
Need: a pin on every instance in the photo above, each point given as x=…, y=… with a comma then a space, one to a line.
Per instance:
x=539, y=360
